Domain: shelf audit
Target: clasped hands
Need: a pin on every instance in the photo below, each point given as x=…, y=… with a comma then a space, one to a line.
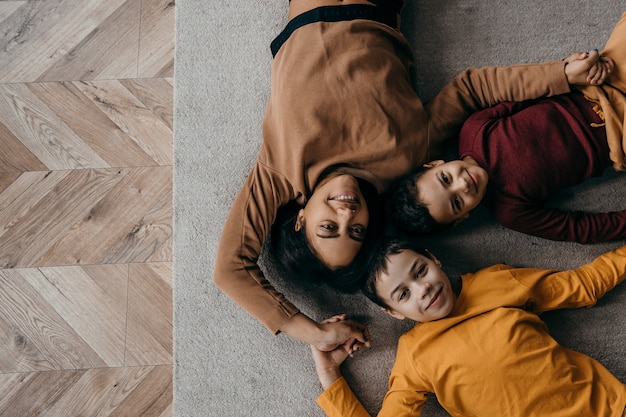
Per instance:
x=588, y=68
x=328, y=362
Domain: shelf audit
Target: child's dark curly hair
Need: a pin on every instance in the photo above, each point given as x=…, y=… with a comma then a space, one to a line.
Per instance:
x=385, y=247
x=405, y=210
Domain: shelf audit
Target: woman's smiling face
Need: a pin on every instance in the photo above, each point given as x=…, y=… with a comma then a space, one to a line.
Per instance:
x=414, y=286
x=335, y=220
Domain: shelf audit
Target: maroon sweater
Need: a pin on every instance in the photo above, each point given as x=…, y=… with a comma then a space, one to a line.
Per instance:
x=530, y=151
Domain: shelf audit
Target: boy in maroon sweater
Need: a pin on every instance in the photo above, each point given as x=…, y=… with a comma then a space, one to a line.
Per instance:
x=516, y=156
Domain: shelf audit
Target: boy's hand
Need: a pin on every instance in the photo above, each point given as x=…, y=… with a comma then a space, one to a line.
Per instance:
x=327, y=363
x=338, y=331
x=588, y=68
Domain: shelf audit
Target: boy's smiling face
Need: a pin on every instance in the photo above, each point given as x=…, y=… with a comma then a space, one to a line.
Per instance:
x=450, y=190
x=415, y=287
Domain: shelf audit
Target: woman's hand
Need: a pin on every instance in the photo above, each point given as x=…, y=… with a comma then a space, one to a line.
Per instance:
x=328, y=363
x=329, y=334
x=338, y=331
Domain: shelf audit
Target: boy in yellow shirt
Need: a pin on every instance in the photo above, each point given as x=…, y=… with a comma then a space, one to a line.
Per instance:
x=479, y=343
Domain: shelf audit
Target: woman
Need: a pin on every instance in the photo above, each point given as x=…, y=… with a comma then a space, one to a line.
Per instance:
x=343, y=117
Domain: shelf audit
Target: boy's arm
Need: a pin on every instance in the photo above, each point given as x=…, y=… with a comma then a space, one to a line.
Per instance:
x=570, y=226
x=574, y=288
x=338, y=400
x=478, y=88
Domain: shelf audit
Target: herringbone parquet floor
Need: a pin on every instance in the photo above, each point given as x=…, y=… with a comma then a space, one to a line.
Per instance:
x=86, y=91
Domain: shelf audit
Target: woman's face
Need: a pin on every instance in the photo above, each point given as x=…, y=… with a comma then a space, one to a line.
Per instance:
x=335, y=220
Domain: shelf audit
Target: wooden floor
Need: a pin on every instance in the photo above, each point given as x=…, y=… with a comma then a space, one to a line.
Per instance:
x=86, y=90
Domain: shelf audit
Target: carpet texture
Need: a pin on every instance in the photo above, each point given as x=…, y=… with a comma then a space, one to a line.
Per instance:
x=226, y=363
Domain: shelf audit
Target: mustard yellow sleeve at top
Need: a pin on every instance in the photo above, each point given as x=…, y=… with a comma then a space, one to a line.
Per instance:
x=610, y=97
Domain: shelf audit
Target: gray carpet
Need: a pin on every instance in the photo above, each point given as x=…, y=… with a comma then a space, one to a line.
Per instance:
x=228, y=365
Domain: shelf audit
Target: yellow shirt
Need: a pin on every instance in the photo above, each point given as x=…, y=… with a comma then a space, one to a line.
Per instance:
x=493, y=356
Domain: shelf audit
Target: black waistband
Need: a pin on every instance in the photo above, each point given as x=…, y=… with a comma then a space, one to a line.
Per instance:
x=385, y=15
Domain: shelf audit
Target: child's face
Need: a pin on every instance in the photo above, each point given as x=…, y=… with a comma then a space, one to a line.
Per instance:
x=450, y=190
x=415, y=287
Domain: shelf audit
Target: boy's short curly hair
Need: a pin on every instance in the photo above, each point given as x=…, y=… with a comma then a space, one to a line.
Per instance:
x=384, y=248
x=405, y=209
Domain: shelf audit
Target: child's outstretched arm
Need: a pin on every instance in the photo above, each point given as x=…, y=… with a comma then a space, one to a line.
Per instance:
x=328, y=363
x=327, y=366
x=588, y=68
x=574, y=288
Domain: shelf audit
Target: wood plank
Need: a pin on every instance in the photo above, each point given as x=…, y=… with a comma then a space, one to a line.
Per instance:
x=156, y=94
x=141, y=189
x=136, y=391
x=43, y=132
x=152, y=397
x=150, y=239
x=6, y=179
x=99, y=392
x=108, y=51
x=94, y=127
x=38, y=37
x=53, y=216
x=133, y=117
x=95, y=311
x=14, y=156
x=19, y=198
x=37, y=392
x=21, y=35
x=150, y=315
x=40, y=338
x=7, y=8
x=156, y=52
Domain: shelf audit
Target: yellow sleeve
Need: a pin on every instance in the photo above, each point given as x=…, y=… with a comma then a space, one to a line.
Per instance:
x=574, y=288
x=339, y=400
x=405, y=396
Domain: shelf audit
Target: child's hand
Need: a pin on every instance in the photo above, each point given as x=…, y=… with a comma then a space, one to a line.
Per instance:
x=588, y=68
x=327, y=363
x=600, y=71
x=338, y=331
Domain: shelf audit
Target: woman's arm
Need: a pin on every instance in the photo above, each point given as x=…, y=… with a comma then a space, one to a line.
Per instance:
x=238, y=275
x=246, y=228
x=347, y=335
